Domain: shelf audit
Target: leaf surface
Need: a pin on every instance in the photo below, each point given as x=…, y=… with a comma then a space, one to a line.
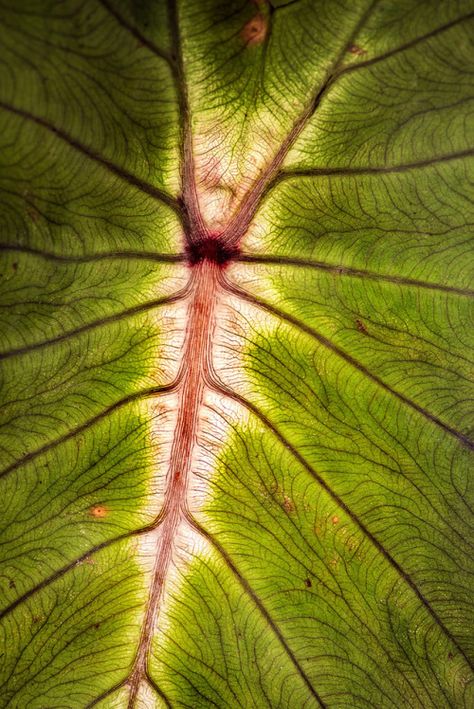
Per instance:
x=236, y=421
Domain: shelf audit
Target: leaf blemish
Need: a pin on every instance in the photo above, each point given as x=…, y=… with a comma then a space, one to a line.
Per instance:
x=99, y=511
x=361, y=327
x=255, y=30
x=357, y=51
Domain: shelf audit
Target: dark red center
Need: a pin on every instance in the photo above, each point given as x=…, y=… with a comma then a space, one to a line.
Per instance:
x=210, y=249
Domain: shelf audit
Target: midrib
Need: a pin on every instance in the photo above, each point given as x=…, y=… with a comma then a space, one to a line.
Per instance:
x=198, y=348
x=193, y=372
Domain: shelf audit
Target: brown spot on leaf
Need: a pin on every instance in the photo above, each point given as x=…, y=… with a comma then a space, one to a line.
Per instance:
x=255, y=30
x=99, y=511
x=307, y=583
x=357, y=51
x=276, y=494
x=15, y=266
x=335, y=519
x=361, y=327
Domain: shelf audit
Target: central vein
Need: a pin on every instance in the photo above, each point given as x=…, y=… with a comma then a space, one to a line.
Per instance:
x=194, y=370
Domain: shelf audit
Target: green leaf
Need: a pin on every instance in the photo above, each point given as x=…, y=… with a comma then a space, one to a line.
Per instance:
x=236, y=304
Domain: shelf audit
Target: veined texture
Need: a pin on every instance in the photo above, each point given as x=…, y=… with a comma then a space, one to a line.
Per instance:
x=236, y=361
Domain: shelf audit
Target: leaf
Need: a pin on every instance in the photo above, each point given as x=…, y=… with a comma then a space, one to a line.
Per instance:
x=236, y=356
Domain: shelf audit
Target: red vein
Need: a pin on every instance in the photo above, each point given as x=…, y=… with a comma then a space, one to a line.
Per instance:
x=95, y=257
x=342, y=270
x=254, y=596
x=137, y=396
x=222, y=389
x=328, y=344
x=194, y=223
x=92, y=154
x=196, y=359
x=196, y=368
x=193, y=374
x=92, y=325
x=238, y=226
x=368, y=170
x=408, y=45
